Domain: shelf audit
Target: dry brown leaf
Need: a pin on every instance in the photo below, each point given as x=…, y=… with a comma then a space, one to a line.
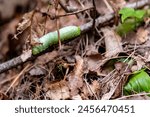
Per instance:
x=95, y=87
x=75, y=81
x=112, y=42
x=37, y=71
x=91, y=50
x=47, y=57
x=58, y=90
x=101, y=7
x=142, y=35
x=109, y=94
x=112, y=88
x=25, y=23
x=118, y=3
x=119, y=65
x=134, y=68
x=93, y=59
x=91, y=90
x=147, y=56
x=140, y=62
x=147, y=21
x=93, y=62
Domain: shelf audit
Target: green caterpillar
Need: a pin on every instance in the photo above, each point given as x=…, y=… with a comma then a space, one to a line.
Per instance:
x=51, y=38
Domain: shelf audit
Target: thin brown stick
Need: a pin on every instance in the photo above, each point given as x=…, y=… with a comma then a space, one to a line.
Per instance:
x=94, y=11
x=14, y=81
x=57, y=22
x=134, y=95
x=67, y=14
x=67, y=9
x=76, y=12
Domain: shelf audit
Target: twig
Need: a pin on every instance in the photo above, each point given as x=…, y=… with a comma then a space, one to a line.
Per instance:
x=67, y=14
x=14, y=81
x=84, y=28
x=76, y=12
x=134, y=95
x=57, y=22
x=94, y=10
x=16, y=61
x=67, y=9
x=108, y=5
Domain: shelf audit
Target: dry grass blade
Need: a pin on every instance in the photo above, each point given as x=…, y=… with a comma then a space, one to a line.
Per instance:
x=15, y=80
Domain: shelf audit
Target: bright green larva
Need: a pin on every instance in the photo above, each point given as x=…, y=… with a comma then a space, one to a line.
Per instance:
x=51, y=38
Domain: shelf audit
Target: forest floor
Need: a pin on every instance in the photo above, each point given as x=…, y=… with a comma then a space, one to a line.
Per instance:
x=97, y=65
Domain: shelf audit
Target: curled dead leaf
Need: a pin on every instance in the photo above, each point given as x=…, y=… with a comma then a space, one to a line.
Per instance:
x=57, y=90
x=112, y=42
x=75, y=80
x=142, y=35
